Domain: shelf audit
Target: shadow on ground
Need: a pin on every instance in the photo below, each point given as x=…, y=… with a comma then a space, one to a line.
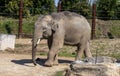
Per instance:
x=118, y=61
x=39, y=61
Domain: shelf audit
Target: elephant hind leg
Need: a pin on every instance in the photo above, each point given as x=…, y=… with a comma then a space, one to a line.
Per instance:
x=83, y=47
x=87, y=51
x=80, y=50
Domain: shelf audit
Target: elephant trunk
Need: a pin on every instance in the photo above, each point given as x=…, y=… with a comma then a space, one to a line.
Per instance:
x=35, y=41
x=34, y=45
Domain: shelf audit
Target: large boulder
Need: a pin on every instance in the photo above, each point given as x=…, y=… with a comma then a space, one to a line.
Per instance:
x=103, y=68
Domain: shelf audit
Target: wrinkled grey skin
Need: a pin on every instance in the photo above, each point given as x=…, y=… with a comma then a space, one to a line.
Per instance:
x=59, y=29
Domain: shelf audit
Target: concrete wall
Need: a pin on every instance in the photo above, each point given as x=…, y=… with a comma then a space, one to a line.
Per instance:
x=7, y=41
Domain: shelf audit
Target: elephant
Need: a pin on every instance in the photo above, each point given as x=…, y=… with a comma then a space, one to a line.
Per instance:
x=62, y=28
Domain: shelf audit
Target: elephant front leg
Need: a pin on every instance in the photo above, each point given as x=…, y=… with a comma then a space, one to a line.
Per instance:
x=51, y=60
x=54, y=45
x=55, y=60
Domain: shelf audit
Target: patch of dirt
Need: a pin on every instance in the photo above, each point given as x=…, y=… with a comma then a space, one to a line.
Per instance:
x=18, y=62
x=21, y=65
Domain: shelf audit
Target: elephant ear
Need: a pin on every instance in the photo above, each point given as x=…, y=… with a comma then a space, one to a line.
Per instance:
x=54, y=25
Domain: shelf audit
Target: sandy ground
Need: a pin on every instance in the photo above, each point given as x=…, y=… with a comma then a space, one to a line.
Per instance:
x=21, y=65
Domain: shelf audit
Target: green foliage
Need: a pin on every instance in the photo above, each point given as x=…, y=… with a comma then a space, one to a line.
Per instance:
x=43, y=6
x=66, y=53
x=8, y=26
x=28, y=27
x=11, y=7
x=27, y=5
x=118, y=10
x=107, y=8
x=78, y=6
x=59, y=73
x=12, y=24
x=2, y=3
x=115, y=55
x=115, y=30
x=84, y=9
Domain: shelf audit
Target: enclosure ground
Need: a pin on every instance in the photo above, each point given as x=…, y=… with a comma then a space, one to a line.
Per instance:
x=18, y=62
x=21, y=65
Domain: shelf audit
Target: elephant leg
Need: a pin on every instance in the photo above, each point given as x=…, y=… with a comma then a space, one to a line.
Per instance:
x=80, y=50
x=56, y=55
x=55, y=60
x=87, y=51
x=52, y=58
x=49, y=62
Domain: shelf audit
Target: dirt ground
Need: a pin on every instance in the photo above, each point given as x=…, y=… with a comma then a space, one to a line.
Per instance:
x=21, y=65
x=15, y=64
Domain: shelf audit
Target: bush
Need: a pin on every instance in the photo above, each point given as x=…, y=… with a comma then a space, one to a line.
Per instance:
x=10, y=26
x=115, y=30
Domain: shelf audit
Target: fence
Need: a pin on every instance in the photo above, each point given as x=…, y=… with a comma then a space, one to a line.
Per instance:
x=109, y=28
x=104, y=29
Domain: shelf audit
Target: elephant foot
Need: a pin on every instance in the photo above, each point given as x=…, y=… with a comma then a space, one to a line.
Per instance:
x=48, y=63
x=34, y=62
x=55, y=62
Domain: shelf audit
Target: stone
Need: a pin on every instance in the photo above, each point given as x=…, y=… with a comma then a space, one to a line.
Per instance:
x=96, y=66
x=7, y=41
x=100, y=69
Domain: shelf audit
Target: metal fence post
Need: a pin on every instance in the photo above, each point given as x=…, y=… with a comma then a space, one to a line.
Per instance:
x=59, y=6
x=93, y=21
x=20, y=19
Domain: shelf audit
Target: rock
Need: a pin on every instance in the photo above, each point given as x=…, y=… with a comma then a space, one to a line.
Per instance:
x=7, y=41
x=100, y=59
x=105, y=66
x=100, y=69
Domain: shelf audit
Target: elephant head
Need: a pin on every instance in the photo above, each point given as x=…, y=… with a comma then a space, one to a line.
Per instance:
x=44, y=28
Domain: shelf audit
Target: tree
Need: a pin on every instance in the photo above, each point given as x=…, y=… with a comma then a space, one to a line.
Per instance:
x=43, y=6
x=79, y=6
x=106, y=9
x=118, y=10
x=3, y=4
x=11, y=7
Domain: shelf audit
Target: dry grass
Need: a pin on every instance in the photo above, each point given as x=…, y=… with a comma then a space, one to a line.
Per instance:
x=109, y=47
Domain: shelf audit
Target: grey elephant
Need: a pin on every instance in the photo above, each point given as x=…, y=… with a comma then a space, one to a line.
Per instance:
x=62, y=28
